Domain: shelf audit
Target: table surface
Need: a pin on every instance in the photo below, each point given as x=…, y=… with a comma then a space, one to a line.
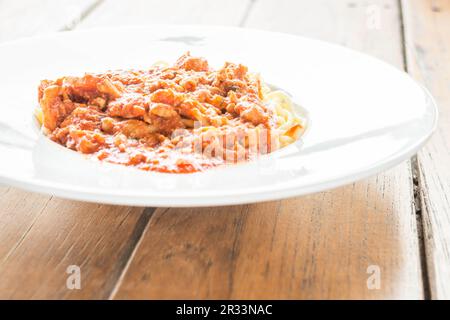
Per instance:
x=394, y=226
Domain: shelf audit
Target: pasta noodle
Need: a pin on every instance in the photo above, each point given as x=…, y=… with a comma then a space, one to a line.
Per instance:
x=177, y=118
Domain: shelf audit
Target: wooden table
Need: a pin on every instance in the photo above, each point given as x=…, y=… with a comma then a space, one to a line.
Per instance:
x=326, y=245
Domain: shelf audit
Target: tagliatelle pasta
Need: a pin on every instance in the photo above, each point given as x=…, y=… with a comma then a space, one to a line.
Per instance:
x=177, y=118
x=289, y=124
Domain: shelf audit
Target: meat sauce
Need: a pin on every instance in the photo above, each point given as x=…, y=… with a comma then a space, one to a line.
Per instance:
x=181, y=118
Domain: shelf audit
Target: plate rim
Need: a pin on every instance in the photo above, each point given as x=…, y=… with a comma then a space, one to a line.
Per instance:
x=73, y=192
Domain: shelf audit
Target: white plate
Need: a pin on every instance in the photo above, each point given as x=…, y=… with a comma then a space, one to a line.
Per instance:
x=366, y=116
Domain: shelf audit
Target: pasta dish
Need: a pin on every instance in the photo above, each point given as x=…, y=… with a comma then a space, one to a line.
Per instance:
x=178, y=118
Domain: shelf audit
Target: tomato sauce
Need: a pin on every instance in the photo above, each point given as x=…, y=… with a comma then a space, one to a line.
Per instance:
x=181, y=118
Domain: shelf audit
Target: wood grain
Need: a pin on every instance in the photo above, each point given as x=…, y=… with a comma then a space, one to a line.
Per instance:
x=97, y=238
x=144, y=12
x=41, y=236
x=427, y=29
x=29, y=17
x=318, y=246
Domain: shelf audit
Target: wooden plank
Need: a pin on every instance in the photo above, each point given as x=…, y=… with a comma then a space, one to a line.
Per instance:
x=318, y=246
x=144, y=12
x=96, y=238
x=427, y=29
x=29, y=17
x=42, y=236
